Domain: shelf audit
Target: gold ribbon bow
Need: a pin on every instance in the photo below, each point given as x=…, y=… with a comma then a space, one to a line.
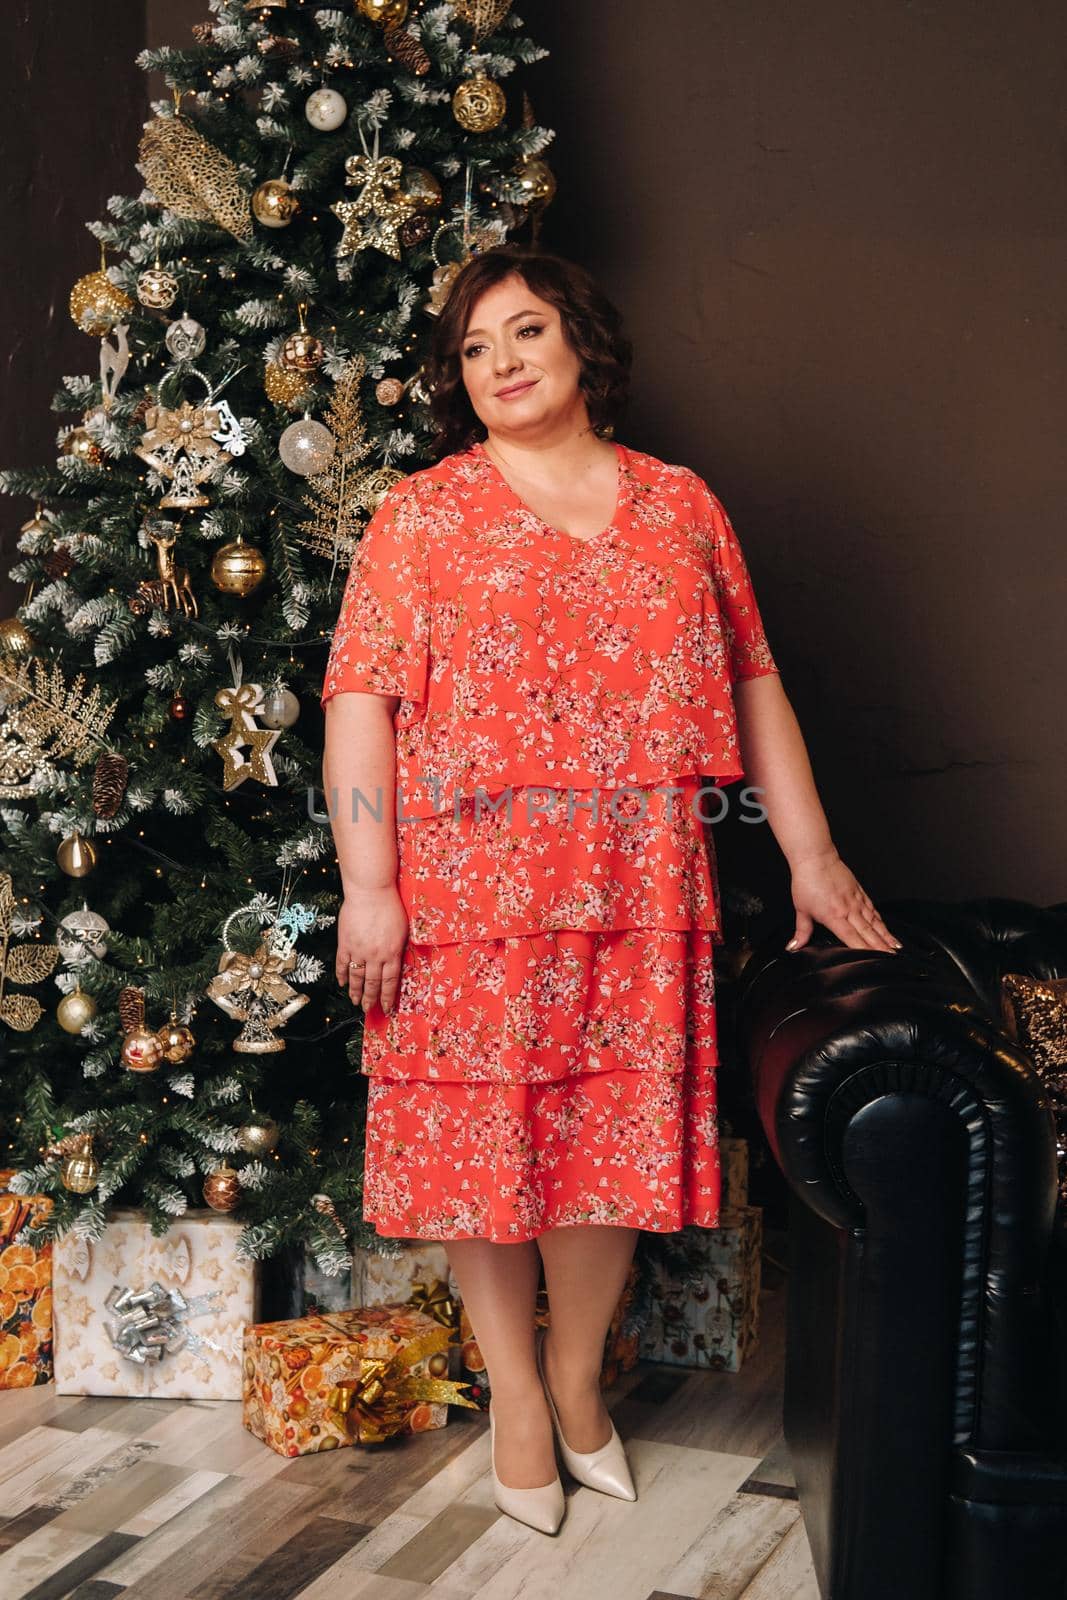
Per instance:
x=189, y=428
x=240, y=702
x=260, y=972
x=433, y=1298
x=380, y=1402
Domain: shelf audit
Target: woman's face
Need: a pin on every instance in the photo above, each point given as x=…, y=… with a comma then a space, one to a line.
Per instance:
x=513, y=338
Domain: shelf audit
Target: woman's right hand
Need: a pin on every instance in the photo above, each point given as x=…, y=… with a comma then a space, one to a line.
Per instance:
x=372, y=928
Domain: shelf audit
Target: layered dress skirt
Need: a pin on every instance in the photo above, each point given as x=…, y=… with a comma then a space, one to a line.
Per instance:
x=541, y=1079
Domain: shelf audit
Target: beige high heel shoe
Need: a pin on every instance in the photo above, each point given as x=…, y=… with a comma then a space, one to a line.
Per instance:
x=541, y=1507
x=606, y=1469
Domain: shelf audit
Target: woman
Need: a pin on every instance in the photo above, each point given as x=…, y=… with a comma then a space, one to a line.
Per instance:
x=545, y=639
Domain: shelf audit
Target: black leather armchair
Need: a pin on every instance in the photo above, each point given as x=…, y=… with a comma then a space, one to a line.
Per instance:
x=927, y=1314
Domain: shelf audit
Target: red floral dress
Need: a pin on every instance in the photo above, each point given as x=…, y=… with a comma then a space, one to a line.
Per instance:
x=551, y=1057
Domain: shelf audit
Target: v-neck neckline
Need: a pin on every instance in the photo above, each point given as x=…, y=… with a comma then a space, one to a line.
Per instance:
x=621, y=498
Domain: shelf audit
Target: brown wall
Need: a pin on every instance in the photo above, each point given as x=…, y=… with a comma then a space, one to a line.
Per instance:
x=72, y=103
x=837, y=234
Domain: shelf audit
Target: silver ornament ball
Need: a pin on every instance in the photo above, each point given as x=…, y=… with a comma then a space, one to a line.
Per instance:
x=306, y=447
x=280, y=708
x=185, y=339
x=82, y=934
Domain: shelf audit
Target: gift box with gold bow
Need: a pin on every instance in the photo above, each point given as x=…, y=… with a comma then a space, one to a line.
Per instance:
x=420, y=1275
x=347, y=1377
x=25, y=1290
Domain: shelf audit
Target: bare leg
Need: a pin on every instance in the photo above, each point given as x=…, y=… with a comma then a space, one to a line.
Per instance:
x=585, y=1274
x=498, y=1284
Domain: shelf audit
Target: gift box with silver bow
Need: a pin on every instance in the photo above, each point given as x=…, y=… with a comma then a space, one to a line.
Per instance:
x=140, y=1315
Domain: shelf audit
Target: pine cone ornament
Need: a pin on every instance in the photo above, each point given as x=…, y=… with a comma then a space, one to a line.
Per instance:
x=131, y=1008
x=406, y=49
x=109, y=783
x=58, y=563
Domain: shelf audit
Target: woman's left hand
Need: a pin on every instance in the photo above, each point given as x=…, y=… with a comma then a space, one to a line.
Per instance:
x=824, y=890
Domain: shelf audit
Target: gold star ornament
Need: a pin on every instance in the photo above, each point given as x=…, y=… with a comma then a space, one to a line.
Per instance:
x=373, y=219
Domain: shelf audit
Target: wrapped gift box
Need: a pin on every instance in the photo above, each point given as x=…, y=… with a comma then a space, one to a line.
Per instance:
x=294, y=1285
x=621, y=1347
x=733, y=1160
x=300, y=1376
x=708, y=1314
x=379, y=1279
x=420, y=1275
x=122, y=1298
x=471, y=1363
x=25, y=1290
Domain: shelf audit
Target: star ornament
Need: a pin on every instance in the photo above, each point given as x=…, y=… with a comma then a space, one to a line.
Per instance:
x=258, y=764
x=241, y=704
x=373, y=218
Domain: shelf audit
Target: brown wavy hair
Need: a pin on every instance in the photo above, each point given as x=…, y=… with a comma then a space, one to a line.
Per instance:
x=591, y=325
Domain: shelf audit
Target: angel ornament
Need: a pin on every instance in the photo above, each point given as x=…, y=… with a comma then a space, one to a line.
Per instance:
x=253, y=989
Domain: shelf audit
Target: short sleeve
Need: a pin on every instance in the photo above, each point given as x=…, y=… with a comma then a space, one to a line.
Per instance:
x=381, y=639
x=748, y=650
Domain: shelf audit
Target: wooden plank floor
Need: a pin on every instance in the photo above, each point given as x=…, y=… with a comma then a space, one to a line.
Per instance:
x=175, y=1500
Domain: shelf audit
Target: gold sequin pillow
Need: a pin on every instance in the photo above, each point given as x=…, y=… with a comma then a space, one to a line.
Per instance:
x=1035, y=1016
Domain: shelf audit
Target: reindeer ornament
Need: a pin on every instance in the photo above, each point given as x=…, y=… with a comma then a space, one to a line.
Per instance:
x=173, y=580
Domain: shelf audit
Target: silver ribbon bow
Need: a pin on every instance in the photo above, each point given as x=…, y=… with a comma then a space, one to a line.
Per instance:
x=149, y=1324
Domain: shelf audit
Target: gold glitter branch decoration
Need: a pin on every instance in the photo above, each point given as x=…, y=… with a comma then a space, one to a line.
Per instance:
x=44, y=719
x=189, y=175
x=341, y=496
x=23, y=963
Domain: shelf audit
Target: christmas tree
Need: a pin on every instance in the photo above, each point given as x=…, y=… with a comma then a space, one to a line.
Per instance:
x=170, y=1026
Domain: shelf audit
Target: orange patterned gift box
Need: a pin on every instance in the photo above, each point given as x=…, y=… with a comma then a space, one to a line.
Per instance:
x=621, y=1346
x=25, y=1290
x=347, y=1377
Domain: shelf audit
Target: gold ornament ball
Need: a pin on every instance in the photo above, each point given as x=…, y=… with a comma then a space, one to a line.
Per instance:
x=15, y=638
x=537, y=181
x=177, y=1040
x=222, y=1189
x=96, y=304
x=75, y=1010
x=274, y=204
x=80, y=444
x=286, y=388
x=238, y=568
x=76, y=856
x=81, y=1170
x=258, y=1134
x=142, y=1050
x=157, y=288
x=302, y=352
x=478, y=105
x=389, y=392
x=36, y=525
x=384, y=13
x=419, y=188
